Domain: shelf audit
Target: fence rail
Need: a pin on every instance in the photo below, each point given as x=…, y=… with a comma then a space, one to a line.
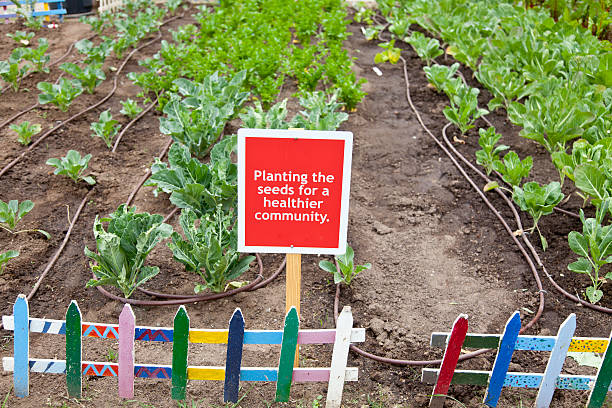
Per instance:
x=181, y=335
x=498, y=378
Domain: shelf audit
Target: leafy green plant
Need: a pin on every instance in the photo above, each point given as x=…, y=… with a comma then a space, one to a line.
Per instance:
x=198, y=117
x=60, y=95
x=464, y=109
x=12, y=72
x=210, y=249
x=5, y=257
x=348, y=270
x=106, y=128
x=275, y=118
x=552, y=121
x=130, y=108
x=91, y=76
x=197, y=186
x=12, y=212
x=21, y=37
x=594, y=248
x=538, y=201
x=25, y=131
x=97, y=23
x=594, y=180
x=440, y=75
x=95, y=54
x=123, y=248
x=320, y=112
x=490, y=152
x=37, y=55
x=505, y=84
x=391, y=53
x=426, y=48
x=73, y=166
x=512, y=169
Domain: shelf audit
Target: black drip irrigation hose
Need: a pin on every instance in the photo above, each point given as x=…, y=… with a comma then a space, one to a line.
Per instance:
x=23, y=112
x=108, y=96
x=147, y=175
x=59, y=250
x=126, y=127
x=259, y=282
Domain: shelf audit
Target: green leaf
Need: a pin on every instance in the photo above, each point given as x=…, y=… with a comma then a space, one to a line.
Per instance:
x=582, y=265
x=327, y=266
x=578, y=243
x=594, y=295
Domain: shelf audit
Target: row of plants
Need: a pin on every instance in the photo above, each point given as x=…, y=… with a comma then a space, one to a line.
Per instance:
x=270, y=40
x=199, y=92
x=89, y=74
x=138, y=21
x=554, y=80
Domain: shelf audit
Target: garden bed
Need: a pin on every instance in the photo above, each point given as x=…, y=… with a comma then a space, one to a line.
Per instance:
x=436, y=249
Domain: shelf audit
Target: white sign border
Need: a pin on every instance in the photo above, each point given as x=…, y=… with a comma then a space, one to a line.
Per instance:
x=347, y=137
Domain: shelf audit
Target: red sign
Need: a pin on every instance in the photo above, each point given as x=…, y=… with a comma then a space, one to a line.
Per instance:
x=293, y=189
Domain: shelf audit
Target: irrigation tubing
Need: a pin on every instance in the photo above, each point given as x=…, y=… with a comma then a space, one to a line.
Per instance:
x=23, y=112
x=126, y=127
x=108, y=96
x=182, y=299
x=59, y=250
x=147, y=174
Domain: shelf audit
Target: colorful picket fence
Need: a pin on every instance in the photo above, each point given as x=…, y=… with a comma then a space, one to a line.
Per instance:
x=499, y=377
x=181, y=335
x=39, y=8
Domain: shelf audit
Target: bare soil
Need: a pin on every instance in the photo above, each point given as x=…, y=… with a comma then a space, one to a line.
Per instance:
x=436, y=249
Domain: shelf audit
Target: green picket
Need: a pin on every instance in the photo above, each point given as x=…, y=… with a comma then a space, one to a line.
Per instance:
x=287, y=355
x=74, y=350
x=180, y=345
x=603, y=379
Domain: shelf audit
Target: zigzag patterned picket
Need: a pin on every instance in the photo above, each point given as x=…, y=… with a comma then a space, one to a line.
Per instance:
x=181, y=335
x=499, y=377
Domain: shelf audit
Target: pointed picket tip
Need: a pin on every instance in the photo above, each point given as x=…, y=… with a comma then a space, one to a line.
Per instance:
x=181, y=313
x=292, y=313
x=127, y=314
x=569, y=323
x=237, y=315
x=73, y=309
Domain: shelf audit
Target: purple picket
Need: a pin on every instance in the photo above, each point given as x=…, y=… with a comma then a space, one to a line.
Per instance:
x=127, y=326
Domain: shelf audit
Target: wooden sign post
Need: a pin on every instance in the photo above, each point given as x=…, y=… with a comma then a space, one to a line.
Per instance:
x=293, y=190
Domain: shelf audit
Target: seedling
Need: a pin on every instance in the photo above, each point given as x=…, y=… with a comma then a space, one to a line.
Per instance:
x=464, y=110
x=106, y=128
x=348, y=270
x=12, y=212
x=426, y=48
x=21, y=37
x=25, y=131
x=538, y=201
x=130, y=108
x=73, y=166
x=390, y=53
x=95, y=54
x=594, y=247
x=123, y=248
x=5, y=257
x=489, y=153
x=91, y=76
x=60, y=95
x=512, y=169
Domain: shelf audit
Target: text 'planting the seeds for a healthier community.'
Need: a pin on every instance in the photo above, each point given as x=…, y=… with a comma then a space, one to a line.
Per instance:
x=293, y=190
